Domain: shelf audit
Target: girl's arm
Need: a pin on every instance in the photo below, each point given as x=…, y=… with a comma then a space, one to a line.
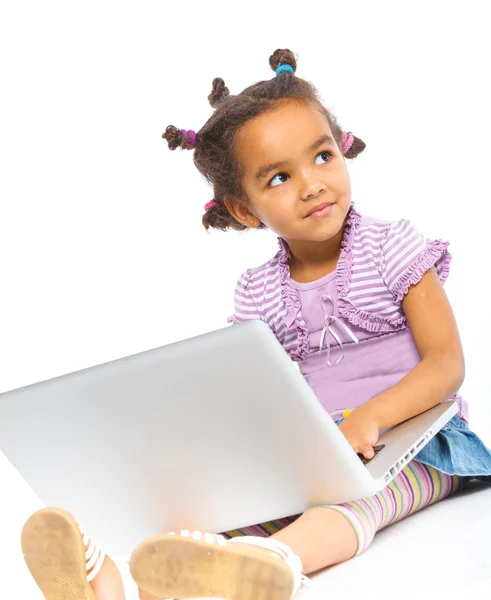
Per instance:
x=441, y=370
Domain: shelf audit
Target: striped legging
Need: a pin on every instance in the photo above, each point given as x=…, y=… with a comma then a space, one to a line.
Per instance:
x=416, y=487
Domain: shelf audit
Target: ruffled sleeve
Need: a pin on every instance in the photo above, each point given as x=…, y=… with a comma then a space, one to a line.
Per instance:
x=406, y=255
x=244, y=303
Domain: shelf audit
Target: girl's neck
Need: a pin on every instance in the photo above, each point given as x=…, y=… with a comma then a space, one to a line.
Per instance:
x=309, y=263
x=313, y=255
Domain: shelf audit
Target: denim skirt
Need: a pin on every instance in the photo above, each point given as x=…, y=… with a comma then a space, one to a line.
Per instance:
x=456, y=450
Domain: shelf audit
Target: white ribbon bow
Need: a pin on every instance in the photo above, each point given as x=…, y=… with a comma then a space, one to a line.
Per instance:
x=330, y=319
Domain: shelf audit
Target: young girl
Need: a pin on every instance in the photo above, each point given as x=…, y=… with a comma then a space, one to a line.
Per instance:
x=357, y=302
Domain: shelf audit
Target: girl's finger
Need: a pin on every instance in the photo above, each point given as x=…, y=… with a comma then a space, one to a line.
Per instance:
x=367, y=451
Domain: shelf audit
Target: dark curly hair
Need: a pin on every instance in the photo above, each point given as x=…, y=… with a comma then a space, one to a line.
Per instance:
x=214, y=154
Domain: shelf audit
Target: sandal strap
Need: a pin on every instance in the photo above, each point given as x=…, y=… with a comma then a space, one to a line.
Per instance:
x=94, y=556
x=209, y=538
x=284, y=551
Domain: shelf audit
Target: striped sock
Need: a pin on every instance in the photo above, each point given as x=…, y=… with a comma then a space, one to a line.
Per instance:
x=262, y=529
x=416, y=487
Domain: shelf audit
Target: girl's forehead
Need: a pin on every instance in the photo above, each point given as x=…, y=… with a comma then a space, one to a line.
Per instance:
x=281, y=133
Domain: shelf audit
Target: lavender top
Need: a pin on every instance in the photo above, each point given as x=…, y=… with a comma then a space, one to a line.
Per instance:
x=377, y=363
x=379, y=260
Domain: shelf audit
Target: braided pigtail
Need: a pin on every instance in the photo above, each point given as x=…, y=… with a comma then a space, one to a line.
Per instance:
x=179, y=138
x=283, y=58
x=351, y=145
x=217, y=216
x=218, y=93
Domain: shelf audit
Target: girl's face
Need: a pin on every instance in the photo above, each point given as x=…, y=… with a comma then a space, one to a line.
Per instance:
x=291, y=164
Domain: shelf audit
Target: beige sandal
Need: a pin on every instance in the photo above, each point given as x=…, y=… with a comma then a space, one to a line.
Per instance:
x=196, y=565
x=62, y=559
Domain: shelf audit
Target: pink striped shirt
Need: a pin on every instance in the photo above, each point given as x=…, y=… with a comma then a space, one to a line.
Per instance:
x=378, y=262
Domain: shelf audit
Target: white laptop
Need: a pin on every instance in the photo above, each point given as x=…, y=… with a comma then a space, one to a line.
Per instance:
x=213, y=433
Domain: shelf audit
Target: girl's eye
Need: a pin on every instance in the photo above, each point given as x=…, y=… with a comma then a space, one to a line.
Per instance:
x=325, y=153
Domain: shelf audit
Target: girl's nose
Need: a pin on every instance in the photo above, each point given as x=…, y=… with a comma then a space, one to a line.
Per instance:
x=312, y=186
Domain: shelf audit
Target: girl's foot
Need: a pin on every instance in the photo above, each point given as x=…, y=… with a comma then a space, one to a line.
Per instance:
x=196, y=565
x=64, y=561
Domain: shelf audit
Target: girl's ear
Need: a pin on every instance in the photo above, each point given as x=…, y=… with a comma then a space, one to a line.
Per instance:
x=239, y=211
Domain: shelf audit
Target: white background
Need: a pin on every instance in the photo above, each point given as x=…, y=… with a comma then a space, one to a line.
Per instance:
x=102, y=251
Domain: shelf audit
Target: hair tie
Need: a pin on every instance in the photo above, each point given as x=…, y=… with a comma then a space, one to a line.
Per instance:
x=189, y=137
x=347, y=140
x=210, y=204
x=285, y=67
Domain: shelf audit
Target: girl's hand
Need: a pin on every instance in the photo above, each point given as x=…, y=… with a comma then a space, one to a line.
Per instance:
x=362, y=432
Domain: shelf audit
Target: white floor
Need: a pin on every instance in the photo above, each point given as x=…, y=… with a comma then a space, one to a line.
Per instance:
x=441, y=552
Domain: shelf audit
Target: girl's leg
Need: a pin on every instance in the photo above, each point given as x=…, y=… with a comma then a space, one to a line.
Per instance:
x=321, y=537
x=67, y=565
x=327, y=535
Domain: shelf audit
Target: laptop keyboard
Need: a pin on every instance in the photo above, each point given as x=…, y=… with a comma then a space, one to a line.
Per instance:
x=376, y=449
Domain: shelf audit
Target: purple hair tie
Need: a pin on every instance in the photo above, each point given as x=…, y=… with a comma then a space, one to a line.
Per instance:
x=347, y=140
x=189, y=136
